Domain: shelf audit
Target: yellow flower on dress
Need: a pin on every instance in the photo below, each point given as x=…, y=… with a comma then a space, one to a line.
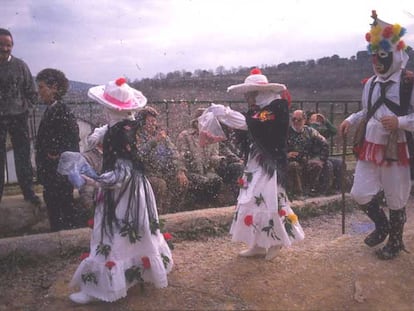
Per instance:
x=264, y=115
x=293, y=218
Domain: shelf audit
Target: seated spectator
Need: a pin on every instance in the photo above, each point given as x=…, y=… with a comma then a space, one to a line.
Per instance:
x=164, y=168
x=320, y=123
x=308, y=153
x=201, y=164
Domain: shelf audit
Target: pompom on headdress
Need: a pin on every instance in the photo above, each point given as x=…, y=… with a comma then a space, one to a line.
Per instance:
x=256, y=81
x=384, y=36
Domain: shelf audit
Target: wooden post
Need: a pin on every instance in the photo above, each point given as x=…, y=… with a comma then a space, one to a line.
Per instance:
x=343, y=168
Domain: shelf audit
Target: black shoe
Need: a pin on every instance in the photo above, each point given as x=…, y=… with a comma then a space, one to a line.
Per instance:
x=376, y=237
x=390, y=251
x=34, y=200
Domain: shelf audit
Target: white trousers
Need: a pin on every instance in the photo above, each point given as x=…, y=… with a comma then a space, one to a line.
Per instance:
x=370, y=178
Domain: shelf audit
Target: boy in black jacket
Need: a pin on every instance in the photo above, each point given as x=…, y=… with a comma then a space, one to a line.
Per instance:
x=58, y=132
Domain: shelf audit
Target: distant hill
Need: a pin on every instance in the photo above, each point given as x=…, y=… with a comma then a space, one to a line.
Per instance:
x=328, y=78
x=78, y=91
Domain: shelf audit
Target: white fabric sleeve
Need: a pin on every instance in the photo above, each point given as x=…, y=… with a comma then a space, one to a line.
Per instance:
x=96, y=136
x=118, y=176
x=406, y=122
x=228, y=116
x=356, y=117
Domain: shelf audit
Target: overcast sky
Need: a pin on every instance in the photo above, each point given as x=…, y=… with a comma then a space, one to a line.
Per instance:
x=101, y=40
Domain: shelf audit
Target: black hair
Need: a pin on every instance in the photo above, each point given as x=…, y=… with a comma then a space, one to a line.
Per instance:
x=54, y=77
x=5, y=32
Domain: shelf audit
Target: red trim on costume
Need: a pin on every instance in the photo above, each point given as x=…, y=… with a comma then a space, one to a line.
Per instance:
x=375, y=153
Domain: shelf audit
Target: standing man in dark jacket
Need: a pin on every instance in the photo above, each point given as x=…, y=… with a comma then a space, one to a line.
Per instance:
x=58, y=132
x=17, y=95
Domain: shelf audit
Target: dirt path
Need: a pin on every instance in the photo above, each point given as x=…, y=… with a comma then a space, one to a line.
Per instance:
x=327, y=271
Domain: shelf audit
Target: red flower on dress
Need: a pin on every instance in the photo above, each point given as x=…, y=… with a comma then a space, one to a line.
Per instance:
x=167, y=236
x=368, y=37
x=248, y=220
x=90, y=223
x=84, y=256
x=146, y=262
x=241, y=182
x=264, y=115
x=282, y=212
x=109, y=264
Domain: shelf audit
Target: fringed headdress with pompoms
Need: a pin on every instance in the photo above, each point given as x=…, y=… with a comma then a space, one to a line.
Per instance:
x=256, y=81
x=384, y=36
x=118, y=95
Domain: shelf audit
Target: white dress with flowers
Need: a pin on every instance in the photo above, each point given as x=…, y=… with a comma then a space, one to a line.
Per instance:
x=133, y=250
x=263, y=215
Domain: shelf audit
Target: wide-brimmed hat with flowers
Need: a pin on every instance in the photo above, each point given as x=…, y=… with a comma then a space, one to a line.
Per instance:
x=118, y=95
x=256, y=81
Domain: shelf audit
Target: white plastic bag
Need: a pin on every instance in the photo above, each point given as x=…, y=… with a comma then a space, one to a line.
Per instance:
x=210, y=130
x=74, y=165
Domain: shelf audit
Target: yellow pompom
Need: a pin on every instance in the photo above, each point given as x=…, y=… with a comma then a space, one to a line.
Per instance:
x=396, y=29
x=375, y=40
x=376, y=30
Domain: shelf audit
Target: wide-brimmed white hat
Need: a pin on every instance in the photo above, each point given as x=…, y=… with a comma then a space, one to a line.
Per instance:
x=256, y=81
x=118, y=95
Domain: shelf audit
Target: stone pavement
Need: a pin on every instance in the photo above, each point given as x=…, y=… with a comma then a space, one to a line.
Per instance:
x=326, y=271
x=184, y=225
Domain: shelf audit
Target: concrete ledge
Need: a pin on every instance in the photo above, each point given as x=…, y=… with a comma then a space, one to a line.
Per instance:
x=189, y=225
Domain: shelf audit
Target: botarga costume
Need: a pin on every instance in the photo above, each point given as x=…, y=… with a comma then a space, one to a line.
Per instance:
x=127, y=246
x=383, y=157
x=263, y=218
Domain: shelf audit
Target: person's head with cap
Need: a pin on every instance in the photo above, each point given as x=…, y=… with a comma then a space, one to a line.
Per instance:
x=119, y=100
x=257, y=90
x=147, y=119
x=386, y=47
